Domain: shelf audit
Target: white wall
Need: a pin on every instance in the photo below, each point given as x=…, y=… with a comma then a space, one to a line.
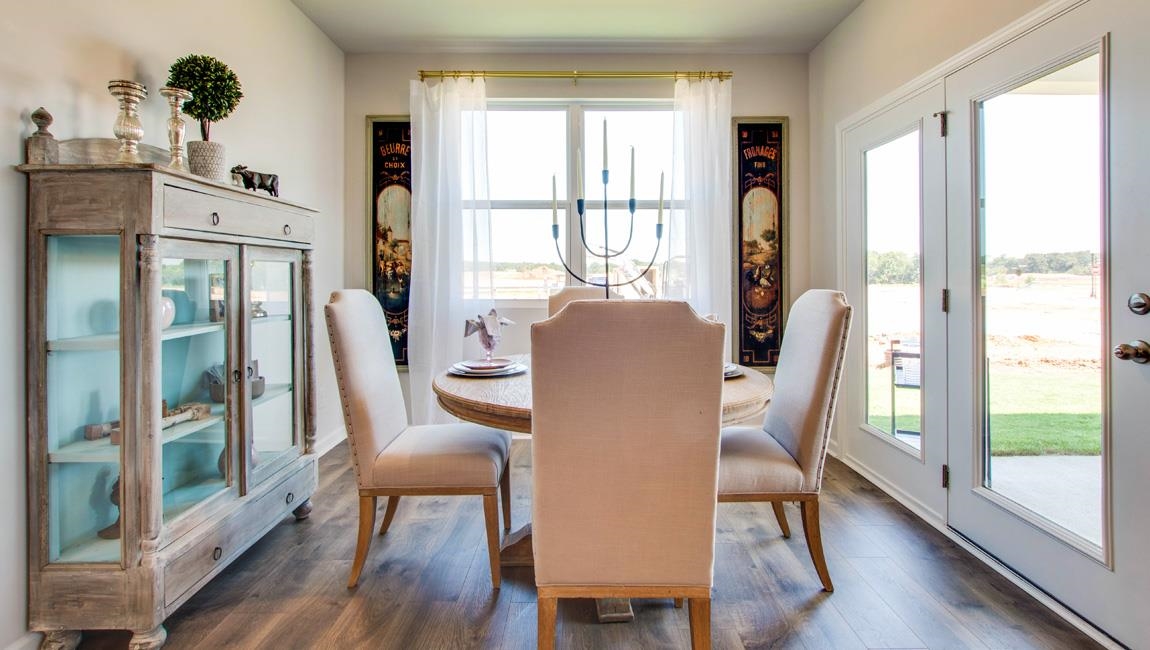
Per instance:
x=60, y=55
x=877, y=48
x=763, y=86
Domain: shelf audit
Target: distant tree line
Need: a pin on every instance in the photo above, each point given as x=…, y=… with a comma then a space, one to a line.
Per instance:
x=1076, y=263
x=896, y=267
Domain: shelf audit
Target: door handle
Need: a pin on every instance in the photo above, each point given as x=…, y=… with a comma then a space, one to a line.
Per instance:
x=1136, y=351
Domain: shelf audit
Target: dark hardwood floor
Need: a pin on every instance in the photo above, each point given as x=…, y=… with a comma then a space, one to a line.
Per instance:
x=898, y=584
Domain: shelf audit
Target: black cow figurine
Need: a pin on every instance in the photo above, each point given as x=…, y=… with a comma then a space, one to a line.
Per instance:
x=258, y=180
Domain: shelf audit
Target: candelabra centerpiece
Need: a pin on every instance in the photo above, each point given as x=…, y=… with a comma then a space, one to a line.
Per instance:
x=606, y=254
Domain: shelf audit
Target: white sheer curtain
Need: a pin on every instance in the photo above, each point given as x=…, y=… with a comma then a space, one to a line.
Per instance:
x=450, y=230
x=699, y=235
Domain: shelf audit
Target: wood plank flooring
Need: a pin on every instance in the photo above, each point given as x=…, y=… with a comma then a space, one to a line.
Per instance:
x=898, y=584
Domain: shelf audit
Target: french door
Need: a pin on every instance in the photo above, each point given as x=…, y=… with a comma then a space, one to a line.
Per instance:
x=1001, y=277
x=1046, y=204
x=893, y=166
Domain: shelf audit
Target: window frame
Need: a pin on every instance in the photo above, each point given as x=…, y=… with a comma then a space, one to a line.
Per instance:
x=575, y=133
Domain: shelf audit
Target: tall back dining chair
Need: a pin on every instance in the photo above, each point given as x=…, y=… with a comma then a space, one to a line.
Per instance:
x=391, y=458
x=783, y=460
x=626, y=411
x=559, y=299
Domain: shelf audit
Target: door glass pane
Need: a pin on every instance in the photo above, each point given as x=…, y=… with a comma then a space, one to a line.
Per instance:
x=1042, y=312
x=272, y=295
x=194, y=382
x=894, y=288
x=83, y=398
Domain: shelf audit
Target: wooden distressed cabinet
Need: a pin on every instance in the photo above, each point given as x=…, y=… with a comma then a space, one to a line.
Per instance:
x=170, y=399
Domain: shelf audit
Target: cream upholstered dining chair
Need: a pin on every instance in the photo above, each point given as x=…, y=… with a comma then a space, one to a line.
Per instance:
x=626, y=411
x=560, y=298
x=783, y=460
x=393, y=459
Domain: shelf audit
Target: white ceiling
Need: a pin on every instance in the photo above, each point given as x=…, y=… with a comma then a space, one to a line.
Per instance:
x=608, y=26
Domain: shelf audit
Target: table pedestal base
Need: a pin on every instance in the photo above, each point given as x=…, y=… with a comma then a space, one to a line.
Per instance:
x=517, y=551
x=614, y=610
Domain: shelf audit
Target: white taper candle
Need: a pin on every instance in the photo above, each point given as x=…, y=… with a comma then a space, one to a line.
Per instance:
x=632, y=172
x=579, y=174
x=660, y=198
x=604, y=144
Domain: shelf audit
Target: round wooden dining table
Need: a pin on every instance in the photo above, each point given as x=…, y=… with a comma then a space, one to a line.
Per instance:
x=505, y=403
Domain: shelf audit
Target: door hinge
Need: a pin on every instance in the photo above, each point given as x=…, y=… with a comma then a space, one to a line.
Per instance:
x=945, y=300
x=946, y=476
x=941, y=115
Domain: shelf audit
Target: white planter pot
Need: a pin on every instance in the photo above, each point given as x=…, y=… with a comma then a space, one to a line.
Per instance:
x=207, y=159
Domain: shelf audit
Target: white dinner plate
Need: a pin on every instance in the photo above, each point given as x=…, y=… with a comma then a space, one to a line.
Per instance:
x=731, y=370
x=484, y=365
x=463, y=371
x=462, y=367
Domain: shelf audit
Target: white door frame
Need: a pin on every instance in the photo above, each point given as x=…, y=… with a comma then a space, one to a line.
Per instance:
x=916, y=474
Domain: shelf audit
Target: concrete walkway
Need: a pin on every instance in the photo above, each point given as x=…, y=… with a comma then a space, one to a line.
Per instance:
x=1065, y=489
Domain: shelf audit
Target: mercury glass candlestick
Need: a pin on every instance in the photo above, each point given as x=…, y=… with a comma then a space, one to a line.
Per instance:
x=176, y=98
x=128, y=128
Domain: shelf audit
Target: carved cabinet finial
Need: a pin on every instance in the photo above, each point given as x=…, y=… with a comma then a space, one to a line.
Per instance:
x=41, y=148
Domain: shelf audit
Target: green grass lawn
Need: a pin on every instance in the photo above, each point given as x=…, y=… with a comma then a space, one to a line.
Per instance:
x=1034, y=411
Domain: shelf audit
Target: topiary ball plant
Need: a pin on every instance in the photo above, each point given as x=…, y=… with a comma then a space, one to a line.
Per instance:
x=215, y=88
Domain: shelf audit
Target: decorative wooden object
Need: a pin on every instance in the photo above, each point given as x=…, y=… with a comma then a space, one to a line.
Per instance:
x=118, y=537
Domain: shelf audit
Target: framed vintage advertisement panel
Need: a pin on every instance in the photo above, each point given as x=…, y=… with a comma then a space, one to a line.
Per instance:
x=389, y=222
x=760, y=228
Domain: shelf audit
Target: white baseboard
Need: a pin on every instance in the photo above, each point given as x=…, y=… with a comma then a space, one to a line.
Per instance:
x=329, y=441
x=924, y=512
x=29, y=641
x=938, y=521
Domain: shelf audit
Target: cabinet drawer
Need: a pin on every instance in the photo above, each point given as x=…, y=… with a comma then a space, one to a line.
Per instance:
x=185, y=208
x=213, y=551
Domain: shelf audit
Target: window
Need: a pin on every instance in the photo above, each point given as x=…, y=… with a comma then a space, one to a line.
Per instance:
x=527, y=143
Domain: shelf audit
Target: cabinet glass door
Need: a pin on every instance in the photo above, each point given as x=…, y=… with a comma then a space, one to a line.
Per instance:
x=274, y=366
x=197, y=377
x=82, y=398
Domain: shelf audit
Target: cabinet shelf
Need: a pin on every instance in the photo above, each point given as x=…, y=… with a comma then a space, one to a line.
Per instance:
x=103, y=451
x=92, y=551
x=189, y=495
x=271, y=392
x=112, y=341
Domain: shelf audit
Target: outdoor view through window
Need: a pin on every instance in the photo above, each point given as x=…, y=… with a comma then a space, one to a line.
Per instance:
x=526, y=146
x=1042, y=308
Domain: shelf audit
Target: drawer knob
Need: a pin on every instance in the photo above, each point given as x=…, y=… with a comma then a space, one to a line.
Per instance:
x=287, y=229
x=215, y=218
x=290, y=497
x=217, y=553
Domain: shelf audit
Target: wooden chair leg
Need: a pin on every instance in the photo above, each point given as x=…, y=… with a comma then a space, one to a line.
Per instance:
x=389, y=514
x=700, y=613
x=366, y=526
x=491, y=515
x=546, y=625
x=781, y=517
x=810, y=511
x=678, y=603
x=505, y=493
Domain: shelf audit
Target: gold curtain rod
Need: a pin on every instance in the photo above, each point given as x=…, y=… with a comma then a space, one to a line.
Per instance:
x=574, y=74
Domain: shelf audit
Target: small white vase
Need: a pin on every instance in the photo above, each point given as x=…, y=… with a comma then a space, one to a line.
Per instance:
x=207, y=159
x=167, y=312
